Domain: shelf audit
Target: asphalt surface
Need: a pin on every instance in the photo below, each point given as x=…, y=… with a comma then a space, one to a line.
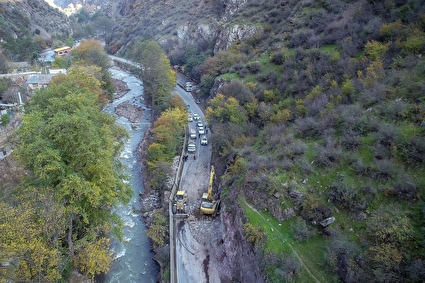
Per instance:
x=192, y=233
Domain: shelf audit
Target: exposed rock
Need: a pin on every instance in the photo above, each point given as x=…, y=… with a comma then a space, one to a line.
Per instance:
x=166, y=198
x=328, y=221
x=236, y=260
x=121, y=88
x=360, y=215
x=287, y=214
x=231, y=34
x=344, y=270
x=296, y=196
x=329, y=232
x=129, y=111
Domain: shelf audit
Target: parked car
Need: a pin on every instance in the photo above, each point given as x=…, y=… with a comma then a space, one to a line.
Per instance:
x=189, y=118
x=201, y=130
x=204, y=140
x=195, y=116
x=200, y=123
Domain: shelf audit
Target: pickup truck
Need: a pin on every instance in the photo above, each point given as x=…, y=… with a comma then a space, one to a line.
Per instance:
x=187, y=86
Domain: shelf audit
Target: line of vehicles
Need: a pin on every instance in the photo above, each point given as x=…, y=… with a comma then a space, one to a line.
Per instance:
x=209, y=205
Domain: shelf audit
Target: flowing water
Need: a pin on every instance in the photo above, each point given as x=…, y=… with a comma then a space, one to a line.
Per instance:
x=133, y=258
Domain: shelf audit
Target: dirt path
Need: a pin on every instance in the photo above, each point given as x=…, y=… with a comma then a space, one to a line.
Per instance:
x=280, y=236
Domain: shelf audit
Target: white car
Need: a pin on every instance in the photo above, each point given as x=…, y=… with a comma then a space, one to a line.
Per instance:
x=204, y=140
x=201, y=130
x=191, y=147
x=200, y=123
x=195, y=116
x=189, y=118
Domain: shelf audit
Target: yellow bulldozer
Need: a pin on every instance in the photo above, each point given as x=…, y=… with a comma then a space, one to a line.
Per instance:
x=209, y=206
x=180, y=202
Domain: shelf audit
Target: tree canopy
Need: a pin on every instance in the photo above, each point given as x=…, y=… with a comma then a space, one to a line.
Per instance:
x=72, y=149
x=158, y=77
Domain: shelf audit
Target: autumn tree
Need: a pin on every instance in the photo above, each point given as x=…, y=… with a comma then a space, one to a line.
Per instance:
x=72, y=148
x=157, y=232
x=388, y=229
x=168, y=139
x=224, y=109
x=91, y=52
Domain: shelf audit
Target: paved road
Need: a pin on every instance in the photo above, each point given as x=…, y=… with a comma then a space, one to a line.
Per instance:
x=192, y=235
x=192, y=264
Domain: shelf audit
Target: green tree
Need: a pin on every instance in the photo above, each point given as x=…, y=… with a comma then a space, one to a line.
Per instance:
x=207, y=81
x=72, y=148
x=158, y=230
x=5, y=119
x=102, y=24
x=70, y=41
x=157, y=75
x=59, y=62
x=21, y=48
x=3, y=64
x=91, y=52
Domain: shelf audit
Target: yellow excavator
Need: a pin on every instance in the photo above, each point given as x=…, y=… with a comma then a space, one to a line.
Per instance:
x=209, y=206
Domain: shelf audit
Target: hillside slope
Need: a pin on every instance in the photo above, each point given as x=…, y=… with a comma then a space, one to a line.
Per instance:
x=324, y=104
x=31, y=15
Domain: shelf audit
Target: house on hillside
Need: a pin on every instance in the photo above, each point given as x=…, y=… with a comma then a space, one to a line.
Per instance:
x=19, y=66
x=39, y=81
x=62, y=51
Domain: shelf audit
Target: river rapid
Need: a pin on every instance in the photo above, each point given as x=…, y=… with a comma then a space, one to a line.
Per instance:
x=133, y=257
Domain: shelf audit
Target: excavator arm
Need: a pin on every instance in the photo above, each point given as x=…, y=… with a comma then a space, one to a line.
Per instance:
x=210, y=184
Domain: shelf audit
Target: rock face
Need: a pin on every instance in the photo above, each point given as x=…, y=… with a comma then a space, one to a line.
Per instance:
x=234, y=256
x=234, y=33
x=34, y=14
x=172, y=22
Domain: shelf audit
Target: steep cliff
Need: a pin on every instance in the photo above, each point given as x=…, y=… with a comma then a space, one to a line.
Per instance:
x=31, y=15
x=174, y=24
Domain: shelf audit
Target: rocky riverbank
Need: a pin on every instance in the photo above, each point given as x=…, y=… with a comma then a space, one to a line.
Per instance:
x=150, y=199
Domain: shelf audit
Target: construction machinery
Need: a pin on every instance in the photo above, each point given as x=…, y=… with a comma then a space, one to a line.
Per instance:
x=209, y=205
x=180, y=202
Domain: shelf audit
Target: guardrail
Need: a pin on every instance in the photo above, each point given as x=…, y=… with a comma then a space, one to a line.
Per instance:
x=176, y=183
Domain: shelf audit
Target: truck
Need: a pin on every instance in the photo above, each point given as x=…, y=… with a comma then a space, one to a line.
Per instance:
x=187, y=86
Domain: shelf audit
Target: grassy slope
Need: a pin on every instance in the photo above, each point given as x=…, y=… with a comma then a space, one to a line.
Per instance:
x=395, y=163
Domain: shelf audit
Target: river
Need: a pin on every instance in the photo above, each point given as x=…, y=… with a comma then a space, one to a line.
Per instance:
x=133, y=257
